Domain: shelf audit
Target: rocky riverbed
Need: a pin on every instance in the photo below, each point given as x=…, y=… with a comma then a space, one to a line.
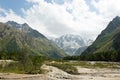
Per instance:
x=54, y=73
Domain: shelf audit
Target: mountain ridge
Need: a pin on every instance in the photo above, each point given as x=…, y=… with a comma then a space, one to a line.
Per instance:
x=14, y=38
x=106, y=43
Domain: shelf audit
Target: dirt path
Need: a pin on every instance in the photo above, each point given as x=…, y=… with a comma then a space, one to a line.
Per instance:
x=57, y=74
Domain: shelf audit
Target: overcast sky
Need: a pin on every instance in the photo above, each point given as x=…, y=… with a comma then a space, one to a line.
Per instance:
x=54, y=18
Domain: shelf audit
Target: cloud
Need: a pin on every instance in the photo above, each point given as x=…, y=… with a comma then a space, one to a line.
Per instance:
x=72, y=16
x=108, y=9
x=54, y=18
x=9, y=15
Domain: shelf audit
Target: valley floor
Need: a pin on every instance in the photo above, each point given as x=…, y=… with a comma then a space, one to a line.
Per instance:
x=57, y=74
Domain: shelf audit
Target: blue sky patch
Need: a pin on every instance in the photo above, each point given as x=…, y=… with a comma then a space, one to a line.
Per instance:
x=59, y=2
x=91, y=7
x=15, y=5
x=48, y=1
x=69, y=10
x=2, y=14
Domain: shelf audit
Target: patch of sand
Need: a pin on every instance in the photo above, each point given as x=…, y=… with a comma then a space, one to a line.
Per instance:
x=98, y=74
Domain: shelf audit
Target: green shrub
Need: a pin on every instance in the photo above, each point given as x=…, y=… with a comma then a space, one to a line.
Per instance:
x=65, y=67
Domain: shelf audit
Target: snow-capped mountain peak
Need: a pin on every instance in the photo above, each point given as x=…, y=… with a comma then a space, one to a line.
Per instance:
x=70, y=43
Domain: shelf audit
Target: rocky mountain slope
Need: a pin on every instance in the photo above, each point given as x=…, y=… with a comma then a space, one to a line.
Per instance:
x=17, y=38
x=106, y=46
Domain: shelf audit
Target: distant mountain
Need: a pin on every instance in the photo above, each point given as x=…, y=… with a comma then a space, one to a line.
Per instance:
x=70, y=43
x=80, y=50
x=107, y=44
x=83, y=48
x=88, y=42
x=15, y=38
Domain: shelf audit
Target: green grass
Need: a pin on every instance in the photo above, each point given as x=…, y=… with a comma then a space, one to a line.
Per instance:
x=65, y=67
x=11, y=67
x=95, y=64
x=18, y=67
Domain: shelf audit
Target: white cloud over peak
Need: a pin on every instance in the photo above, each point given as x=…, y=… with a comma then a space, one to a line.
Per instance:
x=52, y=17
x=55, y=18
x=71, y=17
